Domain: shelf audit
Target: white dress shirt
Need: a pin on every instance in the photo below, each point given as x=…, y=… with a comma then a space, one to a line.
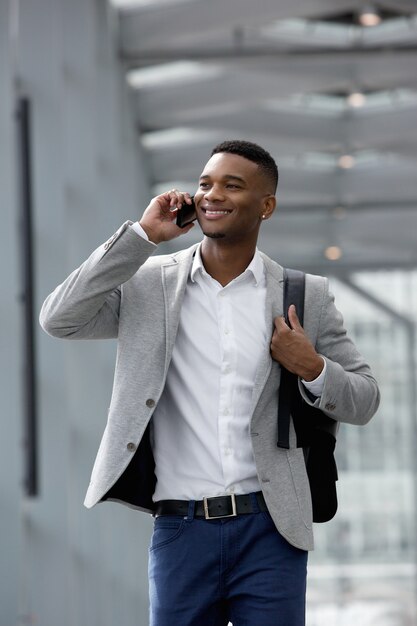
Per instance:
x=200, y=427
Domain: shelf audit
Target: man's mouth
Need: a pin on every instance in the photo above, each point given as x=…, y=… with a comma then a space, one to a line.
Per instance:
x=211, y=212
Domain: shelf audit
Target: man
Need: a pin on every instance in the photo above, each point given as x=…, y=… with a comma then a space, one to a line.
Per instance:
x=192, y=428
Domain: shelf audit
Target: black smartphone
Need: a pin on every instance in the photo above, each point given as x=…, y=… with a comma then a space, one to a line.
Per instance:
x=186, y=214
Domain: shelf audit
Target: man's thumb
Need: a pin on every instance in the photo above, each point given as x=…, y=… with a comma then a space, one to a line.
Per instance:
x=293, y=317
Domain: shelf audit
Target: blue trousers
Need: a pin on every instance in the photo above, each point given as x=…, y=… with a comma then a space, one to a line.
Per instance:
x=239, y=569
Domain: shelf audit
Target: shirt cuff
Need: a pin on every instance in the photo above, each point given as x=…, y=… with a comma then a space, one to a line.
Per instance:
x=139, y=230
x=316, y=386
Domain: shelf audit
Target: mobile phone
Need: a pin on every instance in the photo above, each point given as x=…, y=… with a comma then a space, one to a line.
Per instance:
x=186, y=214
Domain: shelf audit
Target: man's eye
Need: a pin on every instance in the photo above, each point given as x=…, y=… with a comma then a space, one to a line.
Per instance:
x=230, y=186
x=203, y=185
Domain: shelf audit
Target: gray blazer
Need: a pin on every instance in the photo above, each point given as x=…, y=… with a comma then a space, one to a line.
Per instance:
x=121, y=292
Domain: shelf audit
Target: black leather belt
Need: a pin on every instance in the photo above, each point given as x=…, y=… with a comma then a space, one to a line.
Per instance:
x=212, y=508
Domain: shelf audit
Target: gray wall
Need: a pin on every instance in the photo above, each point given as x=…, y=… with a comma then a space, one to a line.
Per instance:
x=59, y=563
x=10, y=431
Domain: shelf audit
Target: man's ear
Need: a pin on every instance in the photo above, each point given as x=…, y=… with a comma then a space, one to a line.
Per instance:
x=269, y=205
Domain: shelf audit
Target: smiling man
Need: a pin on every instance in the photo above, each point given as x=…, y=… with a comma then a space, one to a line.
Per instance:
x=192, y=427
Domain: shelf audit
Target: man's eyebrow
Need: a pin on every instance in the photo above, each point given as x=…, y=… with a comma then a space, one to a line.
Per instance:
x=225, y=177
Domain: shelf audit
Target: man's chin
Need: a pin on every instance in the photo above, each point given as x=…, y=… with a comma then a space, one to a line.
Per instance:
x=214, y=235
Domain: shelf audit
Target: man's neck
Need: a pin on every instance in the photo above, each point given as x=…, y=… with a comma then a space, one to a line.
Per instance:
x=225, y=262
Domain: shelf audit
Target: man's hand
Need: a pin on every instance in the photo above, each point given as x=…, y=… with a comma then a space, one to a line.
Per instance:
x=292, y=348
x=158, y=220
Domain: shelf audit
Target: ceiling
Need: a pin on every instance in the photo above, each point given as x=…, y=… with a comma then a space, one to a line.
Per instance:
x=287, y=74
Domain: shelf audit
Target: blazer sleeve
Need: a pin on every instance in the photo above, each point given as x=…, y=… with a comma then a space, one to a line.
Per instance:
x=350, y=393
x=86, y=305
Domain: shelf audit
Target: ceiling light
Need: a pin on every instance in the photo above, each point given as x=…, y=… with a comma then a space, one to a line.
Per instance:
x=369, y=16
x=356, y=99
x=346, y=161
x=333, y=253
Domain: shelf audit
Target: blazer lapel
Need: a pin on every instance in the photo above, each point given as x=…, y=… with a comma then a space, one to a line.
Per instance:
x=273, y=308
x=174, y=281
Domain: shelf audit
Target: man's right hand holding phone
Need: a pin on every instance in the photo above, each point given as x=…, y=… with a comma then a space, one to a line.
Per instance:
x=159, y=219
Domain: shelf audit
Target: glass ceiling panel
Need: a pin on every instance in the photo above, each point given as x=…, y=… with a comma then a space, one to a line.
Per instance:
x=178, y=72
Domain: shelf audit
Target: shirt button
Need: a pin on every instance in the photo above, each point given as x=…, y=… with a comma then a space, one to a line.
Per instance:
x=226, y=411
x=150, y=403
x=226, y=331
x=131, y=446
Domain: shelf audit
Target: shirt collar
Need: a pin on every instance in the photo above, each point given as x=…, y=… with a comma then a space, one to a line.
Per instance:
x=255, y=267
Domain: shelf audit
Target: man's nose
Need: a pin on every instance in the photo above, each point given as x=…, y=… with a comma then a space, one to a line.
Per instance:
x=214, y=194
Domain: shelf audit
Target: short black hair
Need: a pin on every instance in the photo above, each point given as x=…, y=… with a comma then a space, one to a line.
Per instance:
x=252, y=152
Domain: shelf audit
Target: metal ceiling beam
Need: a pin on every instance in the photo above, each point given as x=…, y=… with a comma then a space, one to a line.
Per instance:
x=299, y=129
x=140, y=57
x=163, y=26
x=252, y=82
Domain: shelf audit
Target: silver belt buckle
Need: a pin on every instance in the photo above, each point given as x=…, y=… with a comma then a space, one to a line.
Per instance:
x=206, y=509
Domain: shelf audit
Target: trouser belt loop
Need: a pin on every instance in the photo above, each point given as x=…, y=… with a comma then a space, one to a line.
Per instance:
x=191, y=511
x=255, y=504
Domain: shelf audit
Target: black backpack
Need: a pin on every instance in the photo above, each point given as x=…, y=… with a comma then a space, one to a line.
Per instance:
x=316, y=432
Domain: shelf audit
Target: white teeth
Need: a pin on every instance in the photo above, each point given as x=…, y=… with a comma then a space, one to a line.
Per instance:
x=208, y=212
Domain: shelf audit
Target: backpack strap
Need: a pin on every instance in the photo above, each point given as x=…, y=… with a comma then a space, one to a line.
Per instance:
x=294, y=287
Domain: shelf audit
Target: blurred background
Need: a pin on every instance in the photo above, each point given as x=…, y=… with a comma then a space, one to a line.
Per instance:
x=103, y=105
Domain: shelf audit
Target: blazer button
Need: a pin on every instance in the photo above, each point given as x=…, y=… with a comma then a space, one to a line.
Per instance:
x=131, y=446
x=150, y=403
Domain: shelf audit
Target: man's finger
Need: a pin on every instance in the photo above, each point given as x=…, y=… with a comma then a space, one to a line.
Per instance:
x=280, y=323
x=293, y=317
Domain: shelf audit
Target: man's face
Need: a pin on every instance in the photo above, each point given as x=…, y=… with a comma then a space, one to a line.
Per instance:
x=231, y=198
